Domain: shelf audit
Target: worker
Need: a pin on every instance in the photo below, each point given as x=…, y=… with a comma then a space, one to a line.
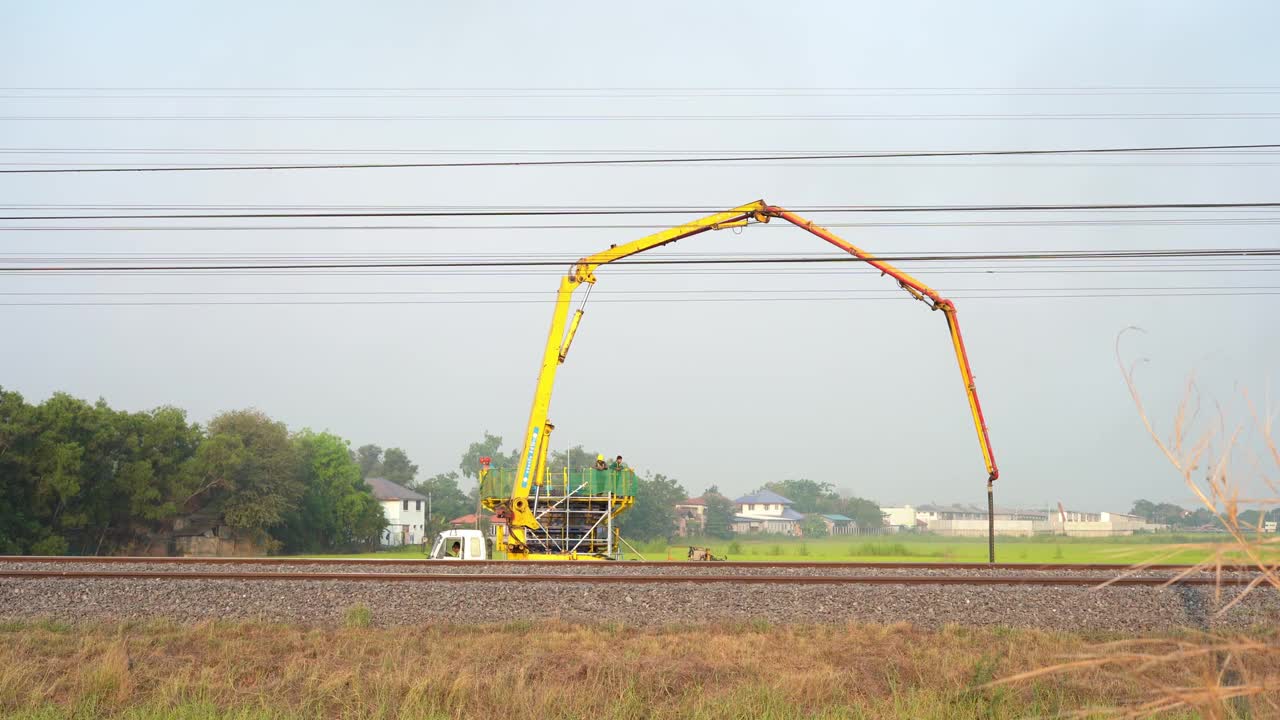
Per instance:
x=600, y=464
x=455, y=550
x=617, y=465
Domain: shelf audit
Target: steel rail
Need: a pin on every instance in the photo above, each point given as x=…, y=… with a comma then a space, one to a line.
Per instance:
x=1046, y=580
x=410, y=562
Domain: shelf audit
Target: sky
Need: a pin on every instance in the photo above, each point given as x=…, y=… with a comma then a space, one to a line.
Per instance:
x=731, y=375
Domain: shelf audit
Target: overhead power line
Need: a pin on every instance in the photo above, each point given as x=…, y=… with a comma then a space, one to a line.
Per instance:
x=648, y=161
x=1119, y=222
x=604, y=293
x=948, y=257
x=654, y=210
x=650, y=118
x=885, y=298
x=213, y=92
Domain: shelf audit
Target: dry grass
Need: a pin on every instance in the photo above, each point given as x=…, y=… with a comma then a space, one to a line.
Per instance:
x=1212, y=675
x=548, y=671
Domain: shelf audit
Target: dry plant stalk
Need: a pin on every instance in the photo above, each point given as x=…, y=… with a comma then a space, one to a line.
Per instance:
x=1228, y=675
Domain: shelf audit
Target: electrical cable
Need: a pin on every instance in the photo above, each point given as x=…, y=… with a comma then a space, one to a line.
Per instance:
x=649, y=210
x=643, y=161
x=1066, y=255
x=648, y=118
x=1139, y=222
x=886, y=298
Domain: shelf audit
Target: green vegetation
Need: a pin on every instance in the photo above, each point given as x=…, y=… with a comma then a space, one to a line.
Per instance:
x=358, y=616
x=1181, y=548
x=719, y=513
x=83, y=478
x=820, y=497
x=251, y=671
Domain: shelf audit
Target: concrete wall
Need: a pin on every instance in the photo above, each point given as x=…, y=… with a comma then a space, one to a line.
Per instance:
x=977, y=528
x=211, y=546
x=904, y=516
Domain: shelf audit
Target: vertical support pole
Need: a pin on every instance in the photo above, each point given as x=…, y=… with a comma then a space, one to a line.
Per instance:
x=609, y=531
x=991, y=523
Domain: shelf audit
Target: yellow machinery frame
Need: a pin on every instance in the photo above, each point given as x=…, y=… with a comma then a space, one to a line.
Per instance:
x=533, y=451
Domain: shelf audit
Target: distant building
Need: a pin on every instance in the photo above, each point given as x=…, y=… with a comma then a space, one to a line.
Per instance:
x=838, y=524
x=691, y=517
x=405, y=510
x=469, y=520
x=971, y=520
x=766, y=512
x=897, y=519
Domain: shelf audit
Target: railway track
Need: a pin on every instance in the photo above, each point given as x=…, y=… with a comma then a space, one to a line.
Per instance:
x=936, y=579
x=762, y=565
x=449, y=571
x=413, y=592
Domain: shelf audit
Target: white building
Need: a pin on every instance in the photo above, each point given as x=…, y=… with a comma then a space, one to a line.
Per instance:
x=901, y=518
x=766, y=512
x=405, y=509
x=970, y=520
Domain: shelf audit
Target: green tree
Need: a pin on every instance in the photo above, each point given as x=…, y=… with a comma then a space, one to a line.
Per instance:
x=369, y=458
x=808, y=496
x=1144, y=509
x=447, y=500
x=337, y=510
x=246, y=471
x=815, y=497
x=653, y=515
x=813, y=526
x=864, y=512
x=397, y=468
x=490, y=447
x=85, y=478
x=720, y=512
x=575, y=458
x=19, y=523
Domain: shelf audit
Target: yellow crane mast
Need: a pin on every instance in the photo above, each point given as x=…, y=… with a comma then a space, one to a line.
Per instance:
x=511, y=503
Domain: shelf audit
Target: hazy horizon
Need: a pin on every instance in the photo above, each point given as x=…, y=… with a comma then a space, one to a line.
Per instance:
x=725, y=375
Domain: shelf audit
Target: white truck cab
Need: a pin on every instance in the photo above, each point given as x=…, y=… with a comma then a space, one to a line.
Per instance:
x=460, y=545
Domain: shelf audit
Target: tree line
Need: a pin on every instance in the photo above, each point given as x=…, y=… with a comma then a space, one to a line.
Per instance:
x=653, y=516
x=84, y=478
x=1181, y=518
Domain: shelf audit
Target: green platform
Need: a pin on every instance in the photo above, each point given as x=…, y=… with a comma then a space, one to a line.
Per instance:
x=621, y=483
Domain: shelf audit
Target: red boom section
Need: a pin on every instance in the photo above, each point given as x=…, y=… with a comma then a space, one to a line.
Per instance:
x=935, y=301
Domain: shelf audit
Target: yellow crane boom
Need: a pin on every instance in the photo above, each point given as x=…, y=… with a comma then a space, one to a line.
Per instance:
x=533, y=451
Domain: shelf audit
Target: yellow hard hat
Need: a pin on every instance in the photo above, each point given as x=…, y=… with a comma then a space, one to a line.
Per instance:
x=599, y=457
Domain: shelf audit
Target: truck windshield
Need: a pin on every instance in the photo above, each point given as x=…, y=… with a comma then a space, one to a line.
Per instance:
x=437, y=551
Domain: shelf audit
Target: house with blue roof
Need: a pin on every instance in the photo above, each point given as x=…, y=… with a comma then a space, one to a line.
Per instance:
x=766, y=511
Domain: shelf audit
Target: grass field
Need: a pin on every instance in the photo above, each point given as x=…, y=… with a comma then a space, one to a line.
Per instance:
x=926, y=548
x=57, y=671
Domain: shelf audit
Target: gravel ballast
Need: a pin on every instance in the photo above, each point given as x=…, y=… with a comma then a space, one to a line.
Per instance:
x=1129, y=609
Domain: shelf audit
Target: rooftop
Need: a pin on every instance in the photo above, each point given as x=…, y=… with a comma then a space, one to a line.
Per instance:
x=787, y=514
x=765, y=497
x=471, y=519
x=384, y=489
x=693, y=501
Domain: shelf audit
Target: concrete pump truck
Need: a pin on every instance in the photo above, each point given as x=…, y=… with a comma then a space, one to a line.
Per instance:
x=541, y=515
